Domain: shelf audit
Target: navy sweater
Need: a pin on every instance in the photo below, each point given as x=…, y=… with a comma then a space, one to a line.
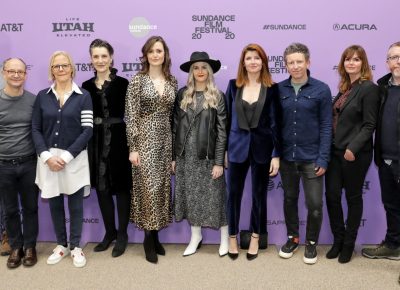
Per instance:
x=69, y=128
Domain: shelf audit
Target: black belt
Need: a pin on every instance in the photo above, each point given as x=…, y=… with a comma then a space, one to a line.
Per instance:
x=110, y=120
x=19, y=160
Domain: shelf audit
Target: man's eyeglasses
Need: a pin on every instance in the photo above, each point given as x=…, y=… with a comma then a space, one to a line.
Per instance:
x=12, y=72
x=58, y=67
x=393, y=58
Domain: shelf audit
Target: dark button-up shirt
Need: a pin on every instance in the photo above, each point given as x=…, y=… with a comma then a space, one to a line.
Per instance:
x=307, y=122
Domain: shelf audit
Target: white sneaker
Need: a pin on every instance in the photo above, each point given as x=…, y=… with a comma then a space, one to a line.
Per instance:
x=58, y=254
x=78, y=257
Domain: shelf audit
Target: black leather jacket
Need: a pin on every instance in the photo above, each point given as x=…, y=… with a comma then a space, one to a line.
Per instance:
x=211, y=136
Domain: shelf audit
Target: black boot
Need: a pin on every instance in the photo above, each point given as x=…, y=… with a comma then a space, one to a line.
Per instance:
x=149, y=247
x=107, y=240
x=334, y=252
x=120, y=245
x=123, y=207
x=346, y=253
x=159, y=248
x=106, y=204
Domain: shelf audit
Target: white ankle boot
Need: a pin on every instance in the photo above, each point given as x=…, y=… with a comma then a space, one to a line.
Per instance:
x=195, y=241
x=224, y=246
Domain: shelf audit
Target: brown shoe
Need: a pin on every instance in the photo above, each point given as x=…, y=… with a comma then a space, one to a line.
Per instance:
x=5, y=248
x=14, y=260
x=30, y=257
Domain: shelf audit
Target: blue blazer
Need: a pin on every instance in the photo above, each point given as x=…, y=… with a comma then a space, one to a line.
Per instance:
x=262, y=137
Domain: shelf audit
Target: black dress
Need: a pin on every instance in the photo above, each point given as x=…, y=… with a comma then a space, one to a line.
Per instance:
x=110, y=169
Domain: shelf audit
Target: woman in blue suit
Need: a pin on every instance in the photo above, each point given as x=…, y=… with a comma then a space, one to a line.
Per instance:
x=253, y=141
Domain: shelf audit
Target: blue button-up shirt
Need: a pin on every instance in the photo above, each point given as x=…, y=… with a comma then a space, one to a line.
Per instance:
x=307, y=122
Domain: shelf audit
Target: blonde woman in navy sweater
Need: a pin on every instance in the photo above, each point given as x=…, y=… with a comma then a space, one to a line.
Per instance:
x=62, y=124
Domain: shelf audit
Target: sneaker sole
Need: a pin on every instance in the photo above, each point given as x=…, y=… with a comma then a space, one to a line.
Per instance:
x=79, y=265
x=53, y=262
x=287, y=255
x=381, y=257
x=310, y=261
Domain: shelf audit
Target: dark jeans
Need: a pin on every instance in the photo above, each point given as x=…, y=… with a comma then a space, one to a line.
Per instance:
x=291, y=173
x=390, y=188
x=259, y=180
x=350, y=176
x=2, y=215
x=75, y=206
x=17, y=181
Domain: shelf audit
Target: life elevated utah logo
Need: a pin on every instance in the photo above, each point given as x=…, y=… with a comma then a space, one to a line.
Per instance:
x=11, y=27
x=73, y=27
x=129, y=69
x=353, y=26
x=213, y=24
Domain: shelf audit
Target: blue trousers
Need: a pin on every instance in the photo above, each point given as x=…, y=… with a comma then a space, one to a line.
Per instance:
x=75, y=207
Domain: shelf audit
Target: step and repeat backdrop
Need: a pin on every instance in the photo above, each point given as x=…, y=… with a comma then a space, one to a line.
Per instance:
x=34, y=30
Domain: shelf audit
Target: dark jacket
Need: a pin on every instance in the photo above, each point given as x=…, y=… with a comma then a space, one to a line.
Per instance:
x=110, y=169
x=211, y=136
x=383, y=90
x=263, y=137
x=357, y=118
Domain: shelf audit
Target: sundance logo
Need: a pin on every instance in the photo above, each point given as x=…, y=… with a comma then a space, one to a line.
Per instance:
x=339, y=27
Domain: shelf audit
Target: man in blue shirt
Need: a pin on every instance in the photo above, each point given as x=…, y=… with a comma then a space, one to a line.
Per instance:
x=306, y=138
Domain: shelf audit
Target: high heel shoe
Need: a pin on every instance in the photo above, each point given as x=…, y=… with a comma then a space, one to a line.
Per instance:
x=253, y=256
x=103, y=245
x=190, y=251
x=233, y=256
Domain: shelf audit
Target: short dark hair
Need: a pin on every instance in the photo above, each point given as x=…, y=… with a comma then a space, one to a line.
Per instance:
x=297, y=47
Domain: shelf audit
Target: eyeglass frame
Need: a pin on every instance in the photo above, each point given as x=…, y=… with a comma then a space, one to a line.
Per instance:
x=63, y=66
x=393, y=58
x=12, y=72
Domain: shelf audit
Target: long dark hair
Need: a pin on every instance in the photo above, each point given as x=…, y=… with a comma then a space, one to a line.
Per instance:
x=166, y=66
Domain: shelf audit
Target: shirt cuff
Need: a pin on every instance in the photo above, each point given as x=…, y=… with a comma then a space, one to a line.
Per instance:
x=45, y=155
x=66, y=156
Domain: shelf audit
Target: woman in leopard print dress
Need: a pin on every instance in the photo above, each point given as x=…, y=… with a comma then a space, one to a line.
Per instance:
x=149, y=103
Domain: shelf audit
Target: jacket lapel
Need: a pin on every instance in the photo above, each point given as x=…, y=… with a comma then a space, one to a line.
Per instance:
x=241, y=118
x=353, y=93
x=259, y=107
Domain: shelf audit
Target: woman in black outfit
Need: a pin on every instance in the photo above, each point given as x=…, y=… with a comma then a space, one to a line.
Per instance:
x=355, y=111
x=110, y=169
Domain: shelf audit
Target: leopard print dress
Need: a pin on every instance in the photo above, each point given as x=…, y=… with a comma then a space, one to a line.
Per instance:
x=148, y=122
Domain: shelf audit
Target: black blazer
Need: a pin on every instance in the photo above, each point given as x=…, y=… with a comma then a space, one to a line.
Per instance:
x=357, y=118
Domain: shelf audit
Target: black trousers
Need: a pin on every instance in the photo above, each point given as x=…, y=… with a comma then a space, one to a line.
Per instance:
x=390, y=188
x=107, y=208
x=259, y=180
x=17, y=182
x=291, y=173
x=350, y=176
